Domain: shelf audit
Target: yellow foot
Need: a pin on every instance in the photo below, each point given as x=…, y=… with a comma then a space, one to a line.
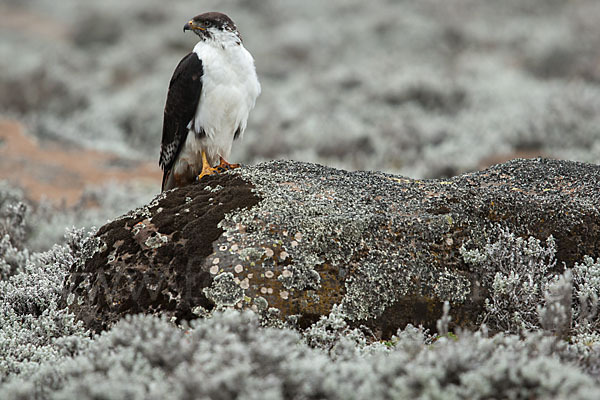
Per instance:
x=222, y=167
x=225, y=166
x=208, y=171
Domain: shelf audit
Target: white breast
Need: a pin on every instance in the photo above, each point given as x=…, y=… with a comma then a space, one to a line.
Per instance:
x=229, y=91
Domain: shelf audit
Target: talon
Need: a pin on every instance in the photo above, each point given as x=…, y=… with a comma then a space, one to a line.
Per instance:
x=208, y=170
x=226, y=166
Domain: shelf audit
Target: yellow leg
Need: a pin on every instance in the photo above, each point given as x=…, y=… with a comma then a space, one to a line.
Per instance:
x=206, y=168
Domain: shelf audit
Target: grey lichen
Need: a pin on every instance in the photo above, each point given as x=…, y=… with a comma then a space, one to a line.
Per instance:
x=201, y=312
x=156, y=240
x=261, y=303
x=340, y=221
x=451, y=286
x=224, y=291
x=251, y=253
x=370, y=292
x=301, y=277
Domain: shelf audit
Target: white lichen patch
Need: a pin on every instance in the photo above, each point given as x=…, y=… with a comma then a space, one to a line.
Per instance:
x=284, y=294
x=224, y=291
x=157, y=240
x=371, y=291
x=261, y=303
x=213, y=190
x=251, y=254
x=112, y=256
x=269, y=252
x=238, y=268
x=200, y=311
x=214, y=269
x=286, y=273
x=245, y=283
x=101, y=246
x=269, y=274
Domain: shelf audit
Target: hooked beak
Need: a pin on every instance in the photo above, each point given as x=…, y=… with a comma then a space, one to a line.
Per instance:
x=190, y=26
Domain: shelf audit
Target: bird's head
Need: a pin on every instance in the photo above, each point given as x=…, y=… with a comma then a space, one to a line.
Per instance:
x=214, y=26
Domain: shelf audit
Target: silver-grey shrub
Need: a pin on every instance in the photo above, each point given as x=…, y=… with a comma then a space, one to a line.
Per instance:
x=46, y=354
x=556, y=315
x=515, y=270
x=526, y=294
x=586, y=282
x=229, y=355
x=33, y=328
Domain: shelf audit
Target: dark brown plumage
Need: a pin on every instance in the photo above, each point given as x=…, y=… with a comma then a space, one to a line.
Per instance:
x=182, y=101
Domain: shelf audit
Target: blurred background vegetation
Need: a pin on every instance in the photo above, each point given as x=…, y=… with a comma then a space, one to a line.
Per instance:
x=426, y=89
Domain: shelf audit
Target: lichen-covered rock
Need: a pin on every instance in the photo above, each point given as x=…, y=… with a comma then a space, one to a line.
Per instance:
x=292, y=239
x=153, y=259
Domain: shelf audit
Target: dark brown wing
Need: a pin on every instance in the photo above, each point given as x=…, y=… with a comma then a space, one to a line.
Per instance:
x=182, y=100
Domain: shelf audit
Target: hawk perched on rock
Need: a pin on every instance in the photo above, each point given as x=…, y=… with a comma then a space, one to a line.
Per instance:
x=210, y=96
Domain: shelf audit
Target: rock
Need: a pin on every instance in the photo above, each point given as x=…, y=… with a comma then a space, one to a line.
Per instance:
x=291, y=240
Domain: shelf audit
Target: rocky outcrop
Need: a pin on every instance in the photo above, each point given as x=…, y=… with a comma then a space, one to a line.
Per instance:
x=291, y=240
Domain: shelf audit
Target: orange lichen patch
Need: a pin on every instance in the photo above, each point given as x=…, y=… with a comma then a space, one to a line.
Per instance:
x=61, y=174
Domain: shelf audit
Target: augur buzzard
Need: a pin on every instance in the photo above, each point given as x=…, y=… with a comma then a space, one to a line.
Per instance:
x=210, y=96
